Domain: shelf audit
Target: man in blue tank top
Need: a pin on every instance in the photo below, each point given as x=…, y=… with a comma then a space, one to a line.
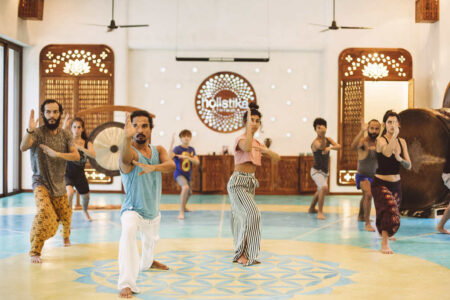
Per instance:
x=141, y=164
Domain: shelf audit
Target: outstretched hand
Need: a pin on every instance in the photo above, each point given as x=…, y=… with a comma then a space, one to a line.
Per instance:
x=32, y=123
x=49, y=151
x=67, y=121
x=261, y=148
x=145, y=168
x=129, y=130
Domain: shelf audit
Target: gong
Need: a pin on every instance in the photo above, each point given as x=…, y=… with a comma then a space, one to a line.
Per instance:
x=107, y=140
x=426, y=133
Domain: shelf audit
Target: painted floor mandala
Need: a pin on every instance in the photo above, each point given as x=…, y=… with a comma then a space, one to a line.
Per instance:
x=210, y=274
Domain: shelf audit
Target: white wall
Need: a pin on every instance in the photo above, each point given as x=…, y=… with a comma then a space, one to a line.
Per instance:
x=241, y=28
x=381, y=94
x=306, y=69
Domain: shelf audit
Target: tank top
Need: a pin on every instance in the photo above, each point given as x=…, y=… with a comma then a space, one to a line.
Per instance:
x=389, y=165
x=321, y=160
x=143, y=193
x=76, y=168
x=368, y=165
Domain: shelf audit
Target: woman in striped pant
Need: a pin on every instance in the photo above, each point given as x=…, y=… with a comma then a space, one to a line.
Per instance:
x=245, y=215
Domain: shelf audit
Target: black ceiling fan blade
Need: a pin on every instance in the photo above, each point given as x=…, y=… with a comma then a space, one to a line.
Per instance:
x=325, y=30
x=137, y=25
x=314, y=24
x=355, y=27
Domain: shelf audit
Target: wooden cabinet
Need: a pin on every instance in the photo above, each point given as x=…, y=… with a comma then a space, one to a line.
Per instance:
x=307, y=185
x=290, y=176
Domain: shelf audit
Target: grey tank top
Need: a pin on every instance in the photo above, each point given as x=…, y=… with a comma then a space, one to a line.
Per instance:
x=368, y=165
x=321, y=160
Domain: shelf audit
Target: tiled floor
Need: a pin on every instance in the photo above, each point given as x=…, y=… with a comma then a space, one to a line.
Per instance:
x=301, y=256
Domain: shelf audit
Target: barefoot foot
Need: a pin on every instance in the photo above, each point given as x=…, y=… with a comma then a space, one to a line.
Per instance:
x=312, y=210
x=368, y=227
x=87, y=216
x=159, y=266
x=386, y=250
x=126, y=293
x=181, y=216
x=35, y=259
x=320, y=216
x=442, y=230
x=67, y=242
x=242, y=260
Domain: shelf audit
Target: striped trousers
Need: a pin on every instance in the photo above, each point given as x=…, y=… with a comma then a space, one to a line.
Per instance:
x=245, y=216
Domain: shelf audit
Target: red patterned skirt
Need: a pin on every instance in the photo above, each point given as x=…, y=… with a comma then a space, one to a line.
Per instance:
x=387, y=197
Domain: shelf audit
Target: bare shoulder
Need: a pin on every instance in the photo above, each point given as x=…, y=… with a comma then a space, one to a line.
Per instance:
x=403, y=141
x=160, y=148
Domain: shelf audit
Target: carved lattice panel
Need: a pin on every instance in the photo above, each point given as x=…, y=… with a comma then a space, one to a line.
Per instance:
x=352, y=93
x=62, y=90
x=93, y=93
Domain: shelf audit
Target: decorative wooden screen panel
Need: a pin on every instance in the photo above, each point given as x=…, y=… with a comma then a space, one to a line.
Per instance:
x=427, y=11
x=79, y=77
x=92, y=93
x=352, y=114
x=31, y=9
x=357, y=65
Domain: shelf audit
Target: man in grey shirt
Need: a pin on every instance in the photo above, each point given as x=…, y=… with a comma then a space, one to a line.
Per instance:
x=50, y=147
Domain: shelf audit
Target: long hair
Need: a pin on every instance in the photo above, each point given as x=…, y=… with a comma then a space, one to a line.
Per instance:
x=389, y=113
x=83, y=133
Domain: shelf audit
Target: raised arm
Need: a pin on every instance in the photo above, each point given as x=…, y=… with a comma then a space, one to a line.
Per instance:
x=246, y=144
x=406, y=162
x=334, y=145
x=167, y=165
x=90, y=151
x=358, y=140
x=28, y=140
x=171, y=154
x=72, y=155
x=387, y=148
x=66, y=123
x=275, y=157
x=127, y=154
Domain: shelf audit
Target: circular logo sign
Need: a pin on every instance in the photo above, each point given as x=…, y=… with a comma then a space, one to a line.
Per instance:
x=222, y=99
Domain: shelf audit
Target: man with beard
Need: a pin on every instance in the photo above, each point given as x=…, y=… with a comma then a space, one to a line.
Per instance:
x=367, y=165
x=141, y=164
x=50, y=147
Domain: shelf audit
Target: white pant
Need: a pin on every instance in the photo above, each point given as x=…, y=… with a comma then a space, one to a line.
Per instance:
x=129, y=265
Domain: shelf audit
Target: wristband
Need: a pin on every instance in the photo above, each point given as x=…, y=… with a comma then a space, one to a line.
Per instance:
x=29, y=132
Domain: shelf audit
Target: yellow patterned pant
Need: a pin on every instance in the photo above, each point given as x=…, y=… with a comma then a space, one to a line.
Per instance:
x=50, y=211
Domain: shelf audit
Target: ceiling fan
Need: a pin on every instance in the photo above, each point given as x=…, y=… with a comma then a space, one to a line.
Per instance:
x=334, y=25
x=112, y=24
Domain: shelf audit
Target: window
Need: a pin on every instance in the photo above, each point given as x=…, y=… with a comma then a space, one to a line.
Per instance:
x=10, y=108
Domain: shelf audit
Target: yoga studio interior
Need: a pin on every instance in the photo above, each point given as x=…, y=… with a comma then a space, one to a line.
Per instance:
x=224, y=149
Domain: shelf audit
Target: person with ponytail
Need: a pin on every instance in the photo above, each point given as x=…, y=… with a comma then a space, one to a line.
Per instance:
x=75, y=176
x=245, y=215
x=392, y=152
